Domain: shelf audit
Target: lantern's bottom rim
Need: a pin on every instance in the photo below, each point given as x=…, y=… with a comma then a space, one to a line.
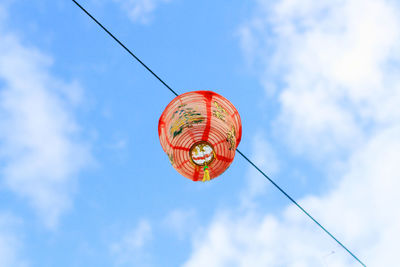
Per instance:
x=200, y=145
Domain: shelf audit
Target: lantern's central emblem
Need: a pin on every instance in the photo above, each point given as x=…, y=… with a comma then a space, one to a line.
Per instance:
x=201, y=153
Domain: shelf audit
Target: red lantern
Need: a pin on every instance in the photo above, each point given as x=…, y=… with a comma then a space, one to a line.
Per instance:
x=200, y=132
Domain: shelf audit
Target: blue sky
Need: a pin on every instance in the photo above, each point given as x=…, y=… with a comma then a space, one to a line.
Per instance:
x=84, y=180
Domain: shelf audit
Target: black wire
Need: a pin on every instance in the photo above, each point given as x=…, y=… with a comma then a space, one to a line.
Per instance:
x=123, y=46
x=298, y=205
x=246, y=158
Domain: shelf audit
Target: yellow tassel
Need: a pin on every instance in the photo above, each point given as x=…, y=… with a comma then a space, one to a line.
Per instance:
x=206, y=176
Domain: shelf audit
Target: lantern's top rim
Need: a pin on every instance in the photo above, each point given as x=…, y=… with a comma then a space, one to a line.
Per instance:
x=204, y=93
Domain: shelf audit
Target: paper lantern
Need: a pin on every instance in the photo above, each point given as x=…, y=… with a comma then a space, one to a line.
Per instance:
x=200, y=132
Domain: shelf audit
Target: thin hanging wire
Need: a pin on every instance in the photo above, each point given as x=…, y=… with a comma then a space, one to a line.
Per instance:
x=246, y=158
x=126, y=48
x=300, y=207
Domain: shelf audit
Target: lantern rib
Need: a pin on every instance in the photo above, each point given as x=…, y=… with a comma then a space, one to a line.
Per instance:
x=246, y=158
x=222, y=158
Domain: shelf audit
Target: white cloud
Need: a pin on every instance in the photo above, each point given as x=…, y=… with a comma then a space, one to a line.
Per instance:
x=10, y=244
x=40, y=149
x=336, y=65
x=250, y=241
x=338, y=62
x=129, y=249
x=140, y=10
x=264, y=155
x=181, y=222
x=361, y=211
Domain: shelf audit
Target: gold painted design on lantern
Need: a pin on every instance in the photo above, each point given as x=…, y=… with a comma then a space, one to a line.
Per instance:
x=186, y=118
x=231, y=138
x=219, y=112
x=171, y=158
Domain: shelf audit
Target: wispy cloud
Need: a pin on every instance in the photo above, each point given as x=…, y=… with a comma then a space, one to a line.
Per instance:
x=264, y=156
x=129, y=250
x=357, y=211
x=181, y=222
x=335, y=65
x=10, y=243
x=40, y=146
x=140, y=10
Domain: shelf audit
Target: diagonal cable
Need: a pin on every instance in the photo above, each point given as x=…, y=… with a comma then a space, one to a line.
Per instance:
x=124, y=47
x=300, y=207
x=246, y=158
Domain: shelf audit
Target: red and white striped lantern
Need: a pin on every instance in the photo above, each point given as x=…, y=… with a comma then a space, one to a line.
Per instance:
x=200, y=132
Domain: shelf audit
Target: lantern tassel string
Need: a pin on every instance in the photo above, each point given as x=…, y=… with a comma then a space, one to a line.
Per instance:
x=206, y=176
x=206, y=172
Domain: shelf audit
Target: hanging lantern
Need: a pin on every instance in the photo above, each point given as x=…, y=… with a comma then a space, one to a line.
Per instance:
x=200, y=132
